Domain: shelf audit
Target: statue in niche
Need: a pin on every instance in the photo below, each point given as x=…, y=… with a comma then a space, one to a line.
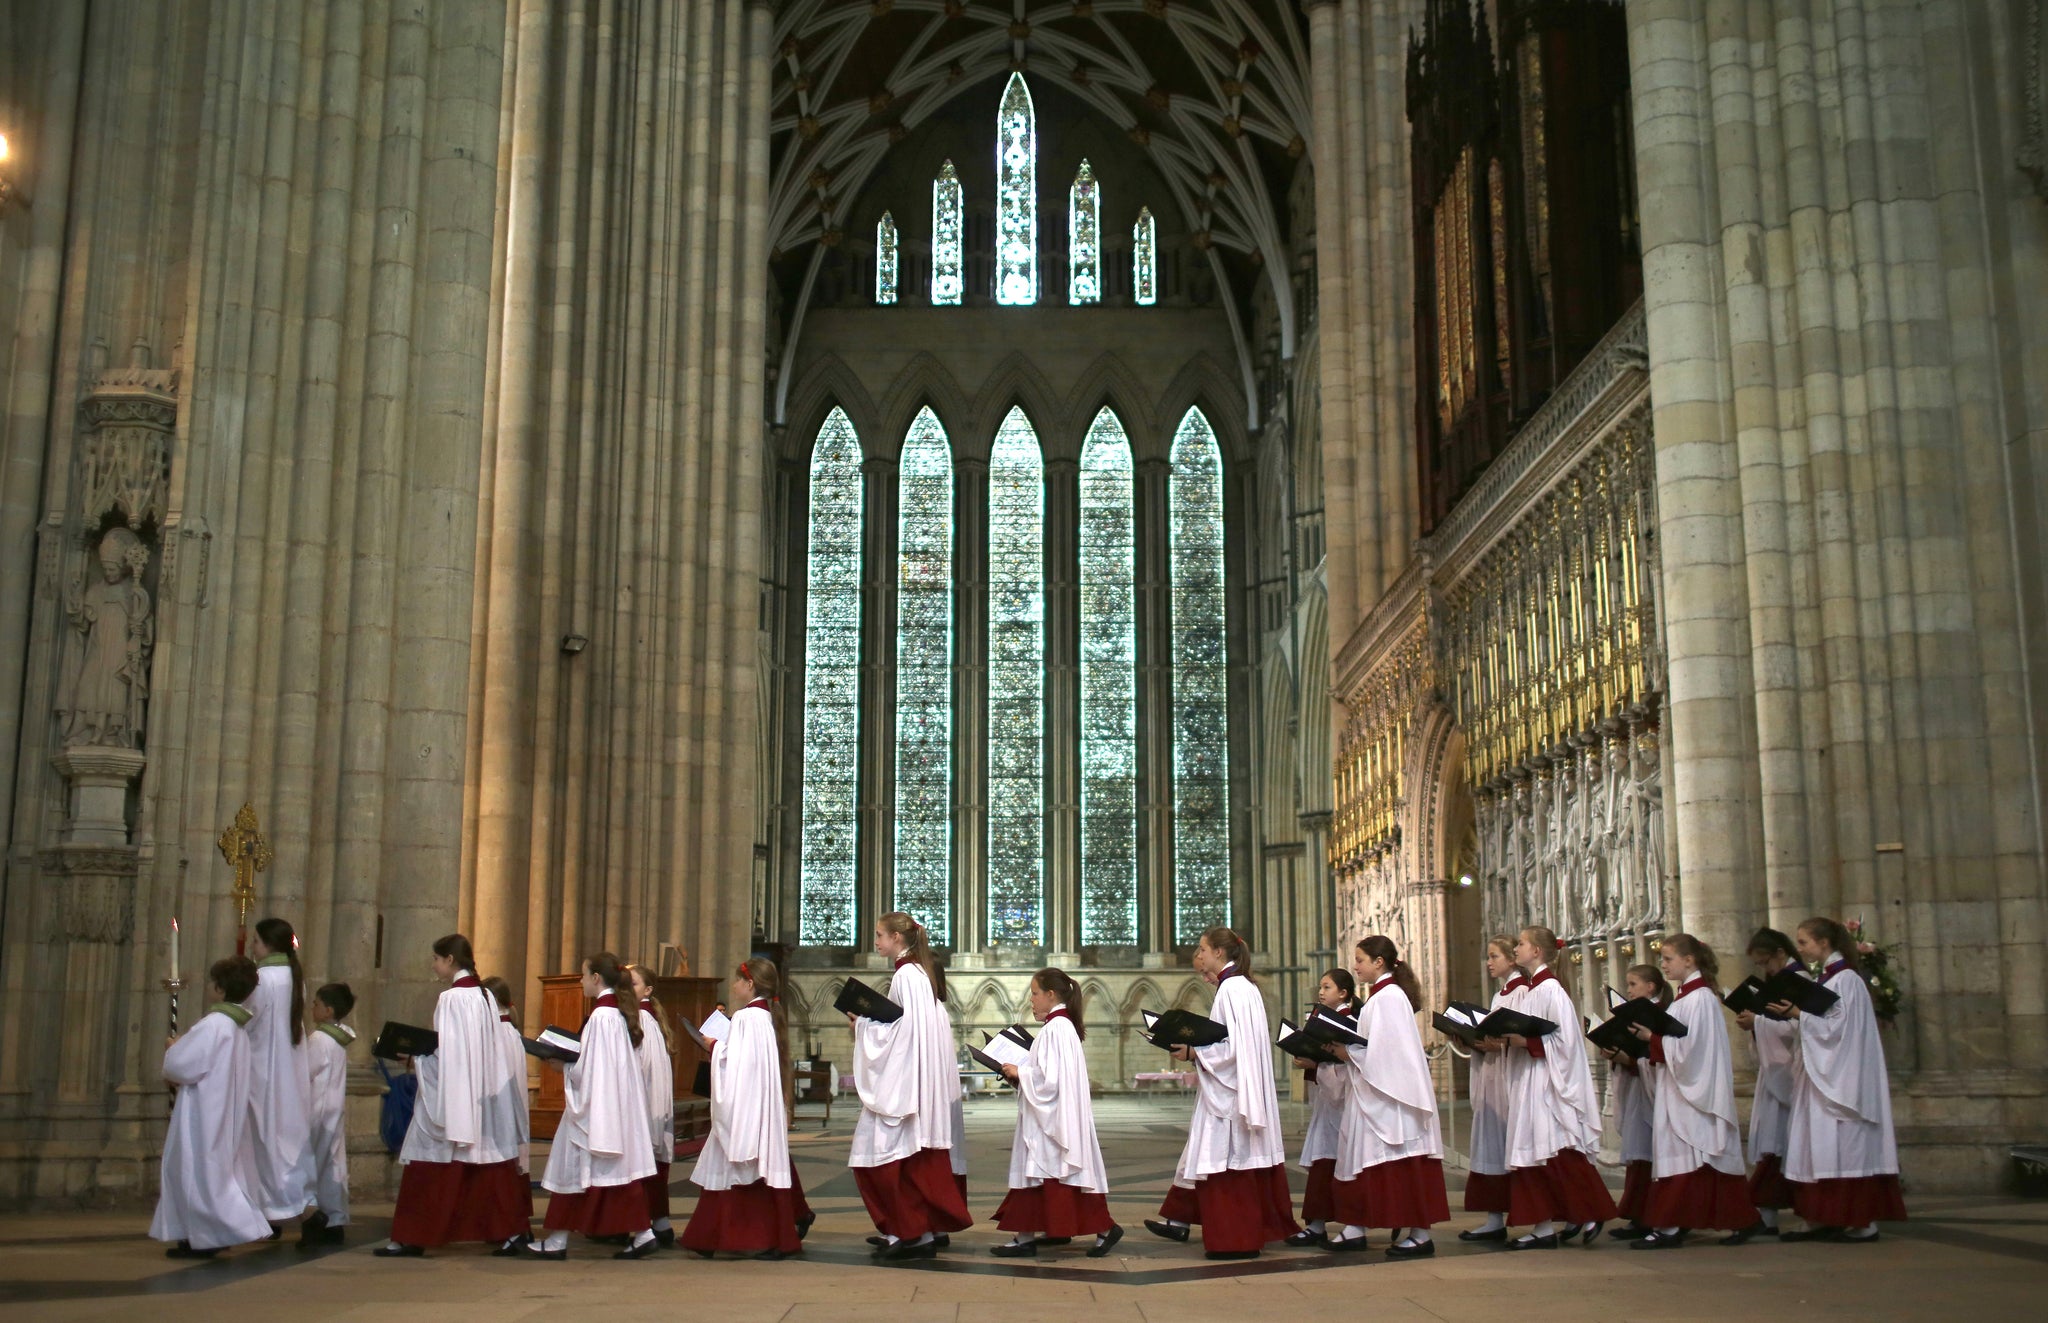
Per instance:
x=103, y=694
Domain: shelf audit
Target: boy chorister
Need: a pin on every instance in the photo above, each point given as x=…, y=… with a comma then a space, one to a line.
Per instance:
x=327, y=1052
x=205, y=1203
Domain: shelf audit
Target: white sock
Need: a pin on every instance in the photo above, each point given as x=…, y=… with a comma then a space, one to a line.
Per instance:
x=661, y=1224
x=925, y=1239
x=557, y=1240
x=1316, y=1227
x=1024, y=1238
x=1768, y=1216
x=1542, y=1229
x=1175, y=1222
x=1667, y=1233
x=1863, y=1232
x=1495, y=1221
x=1347, y=1232
x=644, y=1237
x=1417, y=1236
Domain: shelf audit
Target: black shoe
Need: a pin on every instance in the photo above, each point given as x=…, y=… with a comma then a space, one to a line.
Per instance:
x=703, y=1254
x=1027, y=1250
x=1592, y=1231
x=646, y=1249
x=183, y=1250
x=511, y=1249
x=1166, y=1230
x=1845, y=1238
x=879, y=1242
x=1055, y=1240
x=314, y=1239
x=666, y=1237
x=1633, y=1231
x=1535, y=1242
x=1748, y=1233
x=1811, y=1233
x=530, y=1250
x=1472, y=1237
x=941, y=1240
x=1304, y=1239
x=1350, y=1246
x=1413, y=1251
x=312, y=1224
x=1106, y=1242
x=803, y=1228
x=388, y=1251
x=276, y=1231
x=906, y=1249
x=1233, y=1254
x=768, y=1255
x=611, y=1240
x=1658, y=1240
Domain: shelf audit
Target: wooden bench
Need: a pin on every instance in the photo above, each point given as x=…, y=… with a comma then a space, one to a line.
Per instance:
x=816, y=1083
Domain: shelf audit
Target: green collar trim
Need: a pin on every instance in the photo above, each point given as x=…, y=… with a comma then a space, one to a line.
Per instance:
x=274, y=958
x=340, y=1033
x=241, y=1015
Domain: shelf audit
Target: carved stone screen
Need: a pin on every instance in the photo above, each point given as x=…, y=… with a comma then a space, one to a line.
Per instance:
x=1201, y=782
x=1109, y=713
x=1016, y=683
x=924, y=678
x=832, y=687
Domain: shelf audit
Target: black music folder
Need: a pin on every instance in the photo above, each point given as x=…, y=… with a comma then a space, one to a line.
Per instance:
x=1296, y=1043
x=857, y=998
x=396, y=1041
x=1788, y=984
x=554, y=1044
x=1456, y=1021
x=1182, y=1029
x=1327, y=1026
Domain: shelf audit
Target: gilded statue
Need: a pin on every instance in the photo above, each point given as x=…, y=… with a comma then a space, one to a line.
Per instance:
x=104, y=691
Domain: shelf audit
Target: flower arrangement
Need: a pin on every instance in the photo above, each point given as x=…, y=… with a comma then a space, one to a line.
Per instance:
x=1886, y=996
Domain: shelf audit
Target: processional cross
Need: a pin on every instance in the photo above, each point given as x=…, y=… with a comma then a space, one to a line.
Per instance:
x=243, y=846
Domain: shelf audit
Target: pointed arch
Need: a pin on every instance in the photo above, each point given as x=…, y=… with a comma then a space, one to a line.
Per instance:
x=1315, y=773
x=1203, y=382
x=831, y=719
x=989, y=994
x=1144, y=995
x=1016, y=684
x=923, y=382
x=948, y=265
x=885, y=259
x=1201, y=682
x=1084, y=237
x=1017, y=381
x=1016, y=263
x=924, y=678
x=827, y=383
x=1106, y=383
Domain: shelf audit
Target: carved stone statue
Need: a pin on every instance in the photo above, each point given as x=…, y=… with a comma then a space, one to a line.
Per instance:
x=105, y=690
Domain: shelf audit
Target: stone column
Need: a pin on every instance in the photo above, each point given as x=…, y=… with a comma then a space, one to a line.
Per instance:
x=970, y=704
x=877, y=838
x=1328, y=75
x=1062, y=706
x=1152, y=554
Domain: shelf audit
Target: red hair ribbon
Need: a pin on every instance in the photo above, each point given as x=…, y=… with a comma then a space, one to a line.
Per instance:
x=742, y=973
x=1560, y=943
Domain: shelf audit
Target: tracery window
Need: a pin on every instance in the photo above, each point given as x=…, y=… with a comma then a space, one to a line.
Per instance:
x=885, y=259
x=1016, y=197
x=924, y=678
x=946, y=234
x=831, y=687
x=1016, y=683
x=1201, y=709
x=1109, y=709
x=1145, y=258
x=1084, y=238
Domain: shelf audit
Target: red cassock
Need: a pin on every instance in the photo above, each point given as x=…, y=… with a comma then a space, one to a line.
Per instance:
x=751, y=1200
x=1057, y=1183
x=462, y=1178
x=1390, y=1170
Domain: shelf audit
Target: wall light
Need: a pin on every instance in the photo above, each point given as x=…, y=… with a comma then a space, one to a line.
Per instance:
x=6, y=176
x=1464, y=879
x=574, y=643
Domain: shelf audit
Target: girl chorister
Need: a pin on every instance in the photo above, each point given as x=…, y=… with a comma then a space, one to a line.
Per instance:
x=909, y=1084
x=204, y=1203
x=752, y=1202
x=1336, y=991
x=1777, y=1070
x=1058, y=1188
x=1553, y=1114
x=658, y=1074
x=601, y=1155
x=1634, y=1109
x=1840, y=1154
x=1486, y=1185
x=508, y=1122
x=280, y=1132
x=1232, y=1177
x=1390, y=1170
x=1697, y=1145
x=462, y=1179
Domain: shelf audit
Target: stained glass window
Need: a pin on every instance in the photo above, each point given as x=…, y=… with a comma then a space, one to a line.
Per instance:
x=1145, y=258
x=1016, y=683
x=885, y=259
x=1109, y=709
x=924, y=678
x=1201, y=790
x=1084, y=238
x=832, y=687
x=946, y=203
x=1016, y=196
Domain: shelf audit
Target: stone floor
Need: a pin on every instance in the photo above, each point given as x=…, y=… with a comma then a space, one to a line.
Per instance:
x=1956, y=1258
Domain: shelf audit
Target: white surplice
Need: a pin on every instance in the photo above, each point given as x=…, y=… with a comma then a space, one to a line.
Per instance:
x=327, y=1096
x=1390, y=1112
x=749, y=1138
x=602, y=1139
x=1635, y=1111
x=1695, y=1091
x=1551, y=1103
x=658, y=1077
x=1777, y=1072
x=280, y=1134
x=457, y=1080
x=204, y=1197
x=907, y=1076
x=1841, y=1099
x=1055, y=1120
x=1326, y=1089
x=1236, y=1125
x=1490, y=1095
x=507, y=1124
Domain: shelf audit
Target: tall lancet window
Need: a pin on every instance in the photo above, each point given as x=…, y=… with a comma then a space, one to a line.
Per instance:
x=885, y=259
x=1201, y=783
x=924, y=678
x=1084, y=238
x=831, y=687
x=1145, y=258
x=1109, y=707
x=1016, y=197
x=946, y=283
x=1016, y=683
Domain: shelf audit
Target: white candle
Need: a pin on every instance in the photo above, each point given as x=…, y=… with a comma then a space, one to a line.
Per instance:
x=174, y=948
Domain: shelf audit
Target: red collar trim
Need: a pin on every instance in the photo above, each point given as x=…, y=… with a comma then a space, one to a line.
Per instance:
x=1518, y=981
x=1378, y=983
x=762, y=1002
x=467, y=981
x=1543, y=976
x=504, y=1018
x=901, y=961
x=647, y=1004
x=1059, y=1013
x=1691, y=985
x=607, y=999
x=1229, y=971
x=1835, y=966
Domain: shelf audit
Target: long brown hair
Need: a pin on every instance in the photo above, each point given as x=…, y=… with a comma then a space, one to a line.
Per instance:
x=1702, y=955
x=1544, y=940
x=279, y=939
x=501, y=992
x=1381, y=947
x=454, y=947
x=654, y=1003
x=767, y=981
x=917, y=948
x=1767, y=942
x=1660, y=991
x=1232, y=947
x=1835, y=935
x=612, y=974
x=1060, y=984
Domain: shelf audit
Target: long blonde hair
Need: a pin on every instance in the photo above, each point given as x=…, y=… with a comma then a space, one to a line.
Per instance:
x=668, y=1041
x=767, y=981
x=917, y=948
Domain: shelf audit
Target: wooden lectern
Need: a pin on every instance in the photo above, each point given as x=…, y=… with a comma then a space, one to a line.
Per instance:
x=562, y=1002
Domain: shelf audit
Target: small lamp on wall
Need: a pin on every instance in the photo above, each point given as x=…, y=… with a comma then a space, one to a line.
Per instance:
x=7, y=192
x=573, y=644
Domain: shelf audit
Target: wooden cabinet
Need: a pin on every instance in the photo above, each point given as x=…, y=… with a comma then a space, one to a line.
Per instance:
x=562, y=1002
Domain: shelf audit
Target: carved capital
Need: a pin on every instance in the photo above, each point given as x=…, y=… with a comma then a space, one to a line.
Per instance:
x=130, y=415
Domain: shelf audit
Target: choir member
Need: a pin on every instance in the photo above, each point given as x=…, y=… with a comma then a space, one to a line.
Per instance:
x=327, y=1052
x=1634, y=1109
x=909, y=1084
x=205, y=1202
x=462, y=1180
x=1486, y=1183
x=508, y=1119
x=601, y=1156
x=1697, y=1144
x=280, y=1133
x=1335, y=991
x=1777, y=1068
x=1840, y=1154
x=1232, y=1177
x=1058, y=1188
x=1553, y=1113
x=658, y=1073
x=1390, y=1149
x=752, y=1202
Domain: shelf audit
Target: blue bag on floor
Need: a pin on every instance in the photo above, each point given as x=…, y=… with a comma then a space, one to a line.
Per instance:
x=400, y=1093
